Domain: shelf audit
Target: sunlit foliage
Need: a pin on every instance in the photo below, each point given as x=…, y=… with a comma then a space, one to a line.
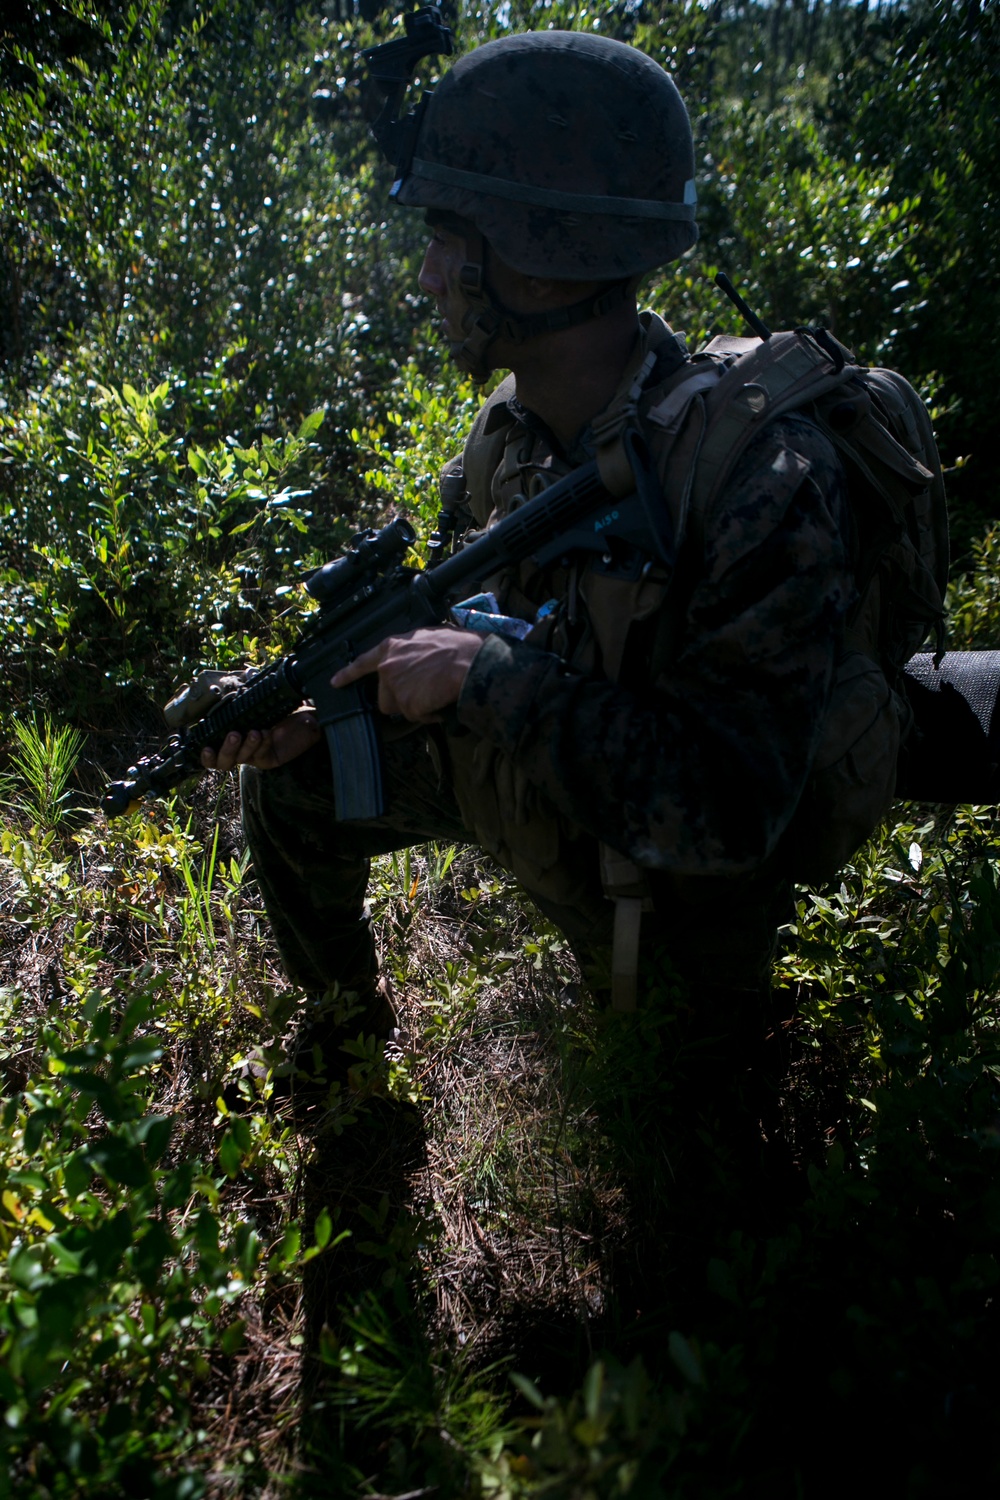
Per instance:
x=214, y=363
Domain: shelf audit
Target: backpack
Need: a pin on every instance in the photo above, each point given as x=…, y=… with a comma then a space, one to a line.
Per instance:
x=882, y=432
x=698, y=421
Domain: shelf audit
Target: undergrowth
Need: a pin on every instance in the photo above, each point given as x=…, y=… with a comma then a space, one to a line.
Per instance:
x=470, y=1274
x=197, y=1301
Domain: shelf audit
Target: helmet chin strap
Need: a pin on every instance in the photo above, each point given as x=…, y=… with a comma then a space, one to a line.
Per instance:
x=486, y=318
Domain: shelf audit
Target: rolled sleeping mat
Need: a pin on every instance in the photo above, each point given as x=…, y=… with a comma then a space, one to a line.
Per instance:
x=952, y=753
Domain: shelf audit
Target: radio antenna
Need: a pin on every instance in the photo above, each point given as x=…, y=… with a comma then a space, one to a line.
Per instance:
x=760, y=328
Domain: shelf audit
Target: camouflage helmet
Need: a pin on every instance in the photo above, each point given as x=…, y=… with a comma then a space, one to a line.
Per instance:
x=570, y=153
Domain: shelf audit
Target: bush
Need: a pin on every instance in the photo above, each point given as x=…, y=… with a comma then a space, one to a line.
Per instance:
x=132, y=560
x=215, y=362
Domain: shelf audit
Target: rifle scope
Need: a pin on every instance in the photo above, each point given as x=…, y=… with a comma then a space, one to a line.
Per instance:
x=370, y=552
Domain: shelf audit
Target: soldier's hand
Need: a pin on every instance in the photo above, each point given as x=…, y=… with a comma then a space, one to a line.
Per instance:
x=265, y=749
x=419, y=674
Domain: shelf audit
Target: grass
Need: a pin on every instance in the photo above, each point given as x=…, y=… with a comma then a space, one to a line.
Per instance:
x=472, y=1280
x=43, y=762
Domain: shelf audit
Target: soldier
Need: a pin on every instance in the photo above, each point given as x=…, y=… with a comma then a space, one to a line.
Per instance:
x=648, y=742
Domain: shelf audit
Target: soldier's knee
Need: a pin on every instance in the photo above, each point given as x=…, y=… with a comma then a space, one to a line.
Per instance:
x=299, y=791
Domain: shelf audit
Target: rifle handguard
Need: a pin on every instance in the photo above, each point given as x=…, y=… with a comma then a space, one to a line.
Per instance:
x=264, y=702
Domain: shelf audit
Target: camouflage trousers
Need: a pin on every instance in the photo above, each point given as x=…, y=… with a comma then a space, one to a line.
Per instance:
x=313, y=875
x=313, y=871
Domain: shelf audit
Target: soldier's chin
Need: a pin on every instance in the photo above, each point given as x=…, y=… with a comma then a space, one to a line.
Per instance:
x=480, y=372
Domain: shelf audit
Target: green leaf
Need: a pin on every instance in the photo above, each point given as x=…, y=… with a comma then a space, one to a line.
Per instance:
x=685, y=1358
x=92, y=1004
x=36, y=1125
x=234, y=1337
x=25, y=1268
x=176, y=1184
x=140, y=1052
x=323, y=1228
x=151, y=1252
x=120, y=1162
x=310, y=424
x=528, y=1389
x=593, y=1388
x=206, y=1231
x=230, y=1154
x=29, y=1179
x=248, y=1247
x=59, y=1308
x=105, y=1095
x=720, y=1280
x=69, y=1260
x=154, y=1132
x=288, y=1250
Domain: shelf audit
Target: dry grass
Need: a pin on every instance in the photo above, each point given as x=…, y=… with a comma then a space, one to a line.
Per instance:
x=518, y=1202
x=498, y=1203
x=496, y=1195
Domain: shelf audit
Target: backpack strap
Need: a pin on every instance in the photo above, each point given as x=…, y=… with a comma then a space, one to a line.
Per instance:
x=762, y=379
x=667, y=409
x=625, y=884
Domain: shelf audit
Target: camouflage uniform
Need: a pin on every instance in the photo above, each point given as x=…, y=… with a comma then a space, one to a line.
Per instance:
x=691, y=763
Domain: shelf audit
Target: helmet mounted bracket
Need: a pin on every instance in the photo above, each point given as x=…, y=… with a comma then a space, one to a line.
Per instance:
x=391, y=66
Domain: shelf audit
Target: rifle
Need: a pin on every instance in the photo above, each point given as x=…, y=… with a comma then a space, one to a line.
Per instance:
x=367, y=595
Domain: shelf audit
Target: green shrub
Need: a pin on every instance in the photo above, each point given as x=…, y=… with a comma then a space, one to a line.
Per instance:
x=216, y=361
x=131, y=560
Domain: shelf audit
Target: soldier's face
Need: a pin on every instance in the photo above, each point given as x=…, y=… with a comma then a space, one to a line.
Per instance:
x=443, y=260
x=446, y=254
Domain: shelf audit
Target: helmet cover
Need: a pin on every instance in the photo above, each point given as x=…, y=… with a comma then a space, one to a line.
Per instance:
x=571, y=153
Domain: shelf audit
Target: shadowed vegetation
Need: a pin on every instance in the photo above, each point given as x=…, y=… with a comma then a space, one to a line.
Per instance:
x=479, y=1272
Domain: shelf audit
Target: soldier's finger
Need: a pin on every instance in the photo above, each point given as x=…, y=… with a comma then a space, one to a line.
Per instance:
x=255, y=743
x=361, y=666
x=225, y=757
x=388, y=701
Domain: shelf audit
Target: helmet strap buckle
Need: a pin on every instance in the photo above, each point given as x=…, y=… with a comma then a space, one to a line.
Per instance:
x=470, y=278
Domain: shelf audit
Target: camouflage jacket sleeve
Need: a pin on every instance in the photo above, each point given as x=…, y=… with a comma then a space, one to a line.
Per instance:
x=701, y=772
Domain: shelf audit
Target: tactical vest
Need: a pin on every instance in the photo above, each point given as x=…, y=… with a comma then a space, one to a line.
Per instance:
x=698, y=423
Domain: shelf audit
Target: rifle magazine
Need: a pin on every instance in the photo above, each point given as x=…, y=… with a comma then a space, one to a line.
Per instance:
x=356, y=763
